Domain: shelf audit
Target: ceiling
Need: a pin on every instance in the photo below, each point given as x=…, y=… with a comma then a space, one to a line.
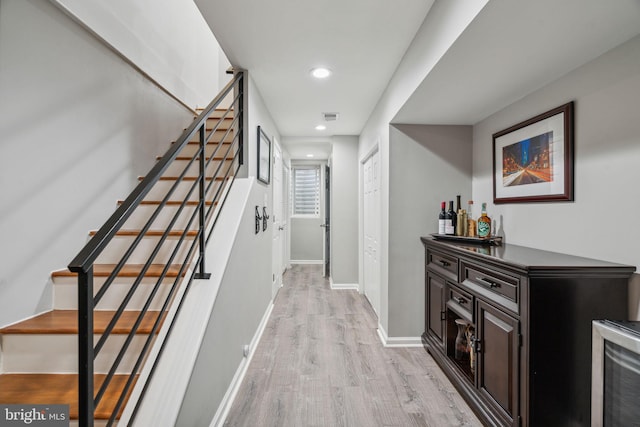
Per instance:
x=280, y=41
x=510, y=49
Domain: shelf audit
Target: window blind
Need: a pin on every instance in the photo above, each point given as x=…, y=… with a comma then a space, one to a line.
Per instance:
x=306, y=190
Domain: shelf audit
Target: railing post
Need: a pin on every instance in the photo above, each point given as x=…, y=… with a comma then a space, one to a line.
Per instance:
x=201, y=274
x=85, y=348
x=240, y=119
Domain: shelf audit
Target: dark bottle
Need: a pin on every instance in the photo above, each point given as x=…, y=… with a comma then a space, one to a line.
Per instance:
x=441, y=218
x=450, y=220
x=458, y=207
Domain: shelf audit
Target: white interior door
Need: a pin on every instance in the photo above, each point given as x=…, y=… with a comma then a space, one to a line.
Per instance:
x=277, y=218
x=286, y=211
x=371, y=225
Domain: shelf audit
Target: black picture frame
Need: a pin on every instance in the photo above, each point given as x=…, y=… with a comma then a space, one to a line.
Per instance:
x=533, y=160
x=264, y=157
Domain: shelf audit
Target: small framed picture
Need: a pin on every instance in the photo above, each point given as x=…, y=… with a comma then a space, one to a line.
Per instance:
x=533, y=160
x=264, y=156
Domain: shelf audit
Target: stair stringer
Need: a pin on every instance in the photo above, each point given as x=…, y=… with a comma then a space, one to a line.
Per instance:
x=166, y=388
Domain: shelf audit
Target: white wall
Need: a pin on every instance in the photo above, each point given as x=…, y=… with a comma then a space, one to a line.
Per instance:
x=245, y=293
x=428, y=165
x=601, y=223
x=242, y=300
x=171, y=43
x=78, y=127
x=256, y=115
x=344, y=210
x=444, y=23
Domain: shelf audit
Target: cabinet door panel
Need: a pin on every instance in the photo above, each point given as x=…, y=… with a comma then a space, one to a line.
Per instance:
x=498, y=358
x=435, y=306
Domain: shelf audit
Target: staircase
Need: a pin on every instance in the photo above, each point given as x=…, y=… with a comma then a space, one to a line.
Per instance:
x=138, y=264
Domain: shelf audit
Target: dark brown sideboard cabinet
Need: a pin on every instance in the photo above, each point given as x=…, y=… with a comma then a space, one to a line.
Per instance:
x=529, y=316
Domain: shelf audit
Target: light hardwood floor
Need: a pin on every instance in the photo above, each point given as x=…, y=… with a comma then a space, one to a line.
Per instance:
x=320, y=363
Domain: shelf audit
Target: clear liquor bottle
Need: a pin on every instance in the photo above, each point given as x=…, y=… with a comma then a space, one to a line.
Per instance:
x=471, y=223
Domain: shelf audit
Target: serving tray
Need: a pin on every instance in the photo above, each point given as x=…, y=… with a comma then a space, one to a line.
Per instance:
x=489, y=241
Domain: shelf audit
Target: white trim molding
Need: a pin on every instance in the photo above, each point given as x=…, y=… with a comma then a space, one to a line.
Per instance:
x=227, y=401
x=344, y=286
x=397, y=341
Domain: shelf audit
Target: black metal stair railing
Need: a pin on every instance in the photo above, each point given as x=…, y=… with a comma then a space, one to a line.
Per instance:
x=205, y=196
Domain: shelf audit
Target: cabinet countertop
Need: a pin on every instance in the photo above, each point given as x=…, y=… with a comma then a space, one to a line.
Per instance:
x=528, y=259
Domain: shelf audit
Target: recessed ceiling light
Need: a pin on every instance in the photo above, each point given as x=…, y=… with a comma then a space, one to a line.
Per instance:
x=309, y=155
x=321, y=127
x=320, y=73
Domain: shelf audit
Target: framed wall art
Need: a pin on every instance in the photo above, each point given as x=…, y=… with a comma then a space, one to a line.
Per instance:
x=264, y=156
x=533, y=160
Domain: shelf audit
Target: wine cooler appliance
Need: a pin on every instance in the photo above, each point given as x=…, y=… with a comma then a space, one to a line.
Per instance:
x=615, y=387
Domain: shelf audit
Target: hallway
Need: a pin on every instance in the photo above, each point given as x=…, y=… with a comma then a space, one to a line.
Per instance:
x=321, y=363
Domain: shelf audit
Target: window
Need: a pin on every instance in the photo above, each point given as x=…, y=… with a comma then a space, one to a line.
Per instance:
x=305, y=190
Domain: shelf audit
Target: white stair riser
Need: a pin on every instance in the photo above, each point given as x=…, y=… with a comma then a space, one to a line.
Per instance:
x=142, y=213
x=65, y=293
x=178, y=166
x=223, y=108
x=161, y=188
x=96, y=423
x=120, y=244
x=36, y=353
x=191, y=149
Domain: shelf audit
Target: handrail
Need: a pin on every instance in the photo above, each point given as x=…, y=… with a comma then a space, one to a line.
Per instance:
x=188, y=246
x=96, y=245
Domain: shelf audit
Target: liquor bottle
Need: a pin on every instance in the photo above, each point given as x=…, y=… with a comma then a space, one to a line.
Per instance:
x=484, y=224
x=461, y=225
x=471, y=223
x=461, y=218
x=450, y=220
x=441, y=218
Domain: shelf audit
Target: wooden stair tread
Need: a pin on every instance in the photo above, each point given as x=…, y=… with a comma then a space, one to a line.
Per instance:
x=187, y=158
x=129, y=270
x=66, y=322
x=186, y=178
x=209, y=144
x=152, y=233
x=171, y=202
x=190, y=178
x=62, y=389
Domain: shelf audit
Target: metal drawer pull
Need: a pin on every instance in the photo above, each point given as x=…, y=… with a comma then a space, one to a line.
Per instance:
x=488, y=283
x=459, y=300
x=444, y=263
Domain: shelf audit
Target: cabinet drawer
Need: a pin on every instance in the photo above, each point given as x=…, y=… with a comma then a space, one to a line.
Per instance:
x=501, y=288
x=445, y=264
x=461, y=302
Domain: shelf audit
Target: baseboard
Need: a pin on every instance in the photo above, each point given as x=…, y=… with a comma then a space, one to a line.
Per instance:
x=229, y=397
x=306, y=261
x=344, y=286
x=397, y=341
